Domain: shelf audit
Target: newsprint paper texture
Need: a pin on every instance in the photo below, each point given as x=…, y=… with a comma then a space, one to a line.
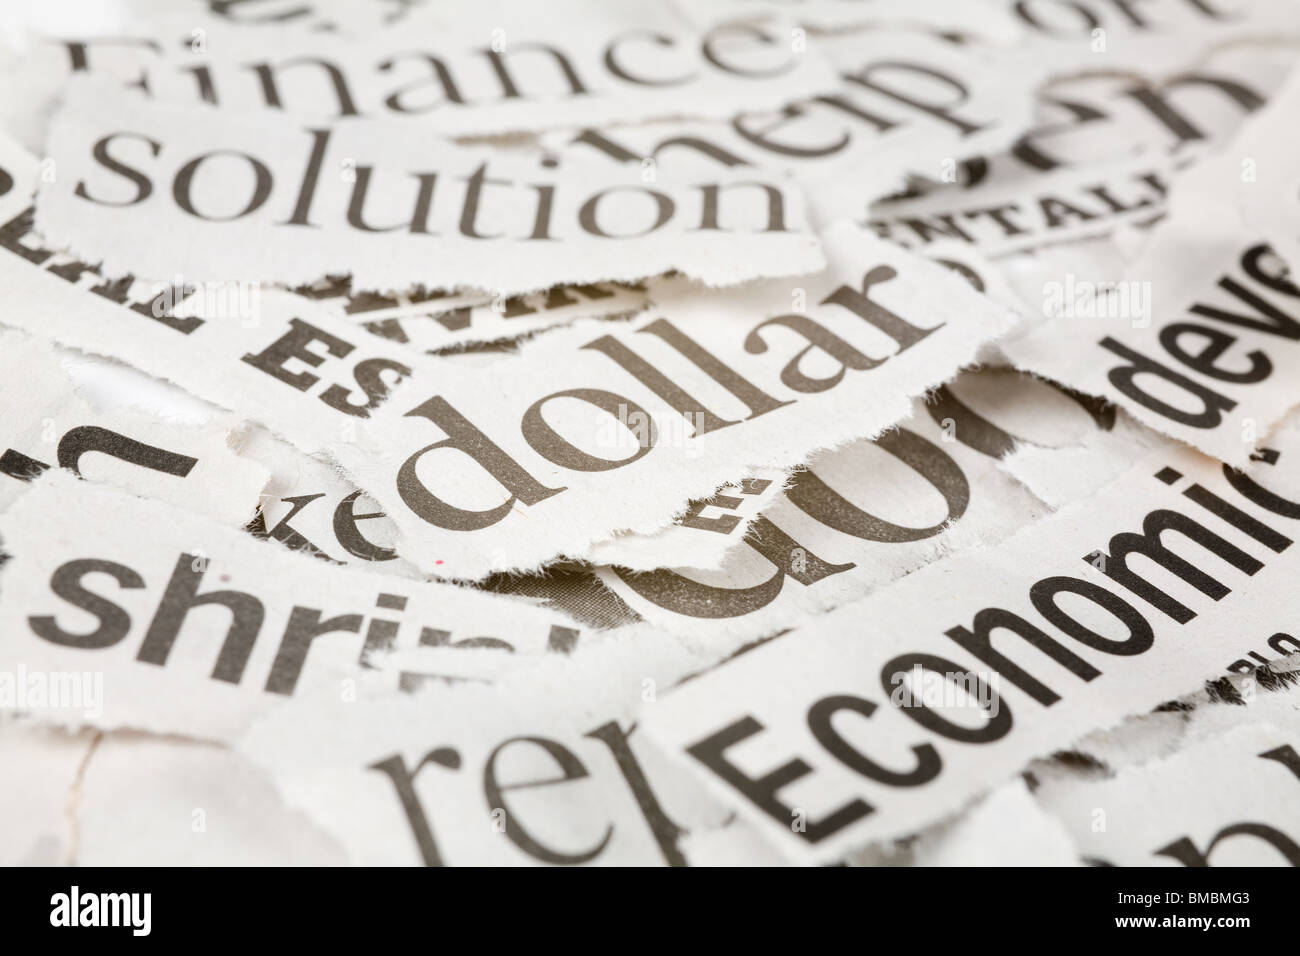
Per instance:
x=657, y=433
x=499, y=775
x=48, y=425
x=910, y=106
x=891, y=712
x=480, y=67
x=1225, y=801
x=1199, y=339
x=661, y=416
x=596, y=428
x=196, y=628
x=144, y=190
x=857, y=518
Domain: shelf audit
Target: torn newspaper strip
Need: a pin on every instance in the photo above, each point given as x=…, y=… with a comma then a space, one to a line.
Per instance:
x=678, y=414
x=675, y=432
x=225, y=342
x=501, y=775
x=155, y=619
x=1199, y=338
x=861, y=516
x=908, y=105
x=1098, y=154
x=597, y=429
x=897, y=710
x=856, y=518
x=1261, y=690
x=483, y=67
x=308, y=506
x=1225, y=801
x=47, y=425
x=727, y=516
x=432, y=322
x=897, y=96
x=235, y=359
x=143, y=189
x=1018, y=212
